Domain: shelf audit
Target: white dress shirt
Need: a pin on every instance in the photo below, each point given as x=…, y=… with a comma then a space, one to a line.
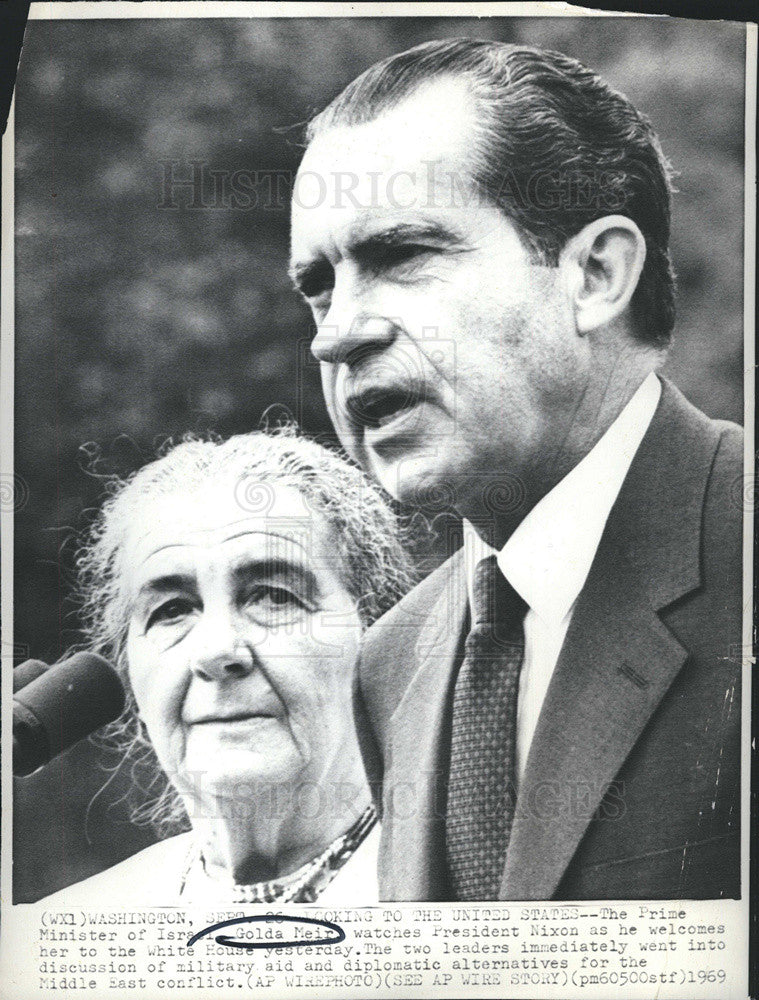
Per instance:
x=548, y=557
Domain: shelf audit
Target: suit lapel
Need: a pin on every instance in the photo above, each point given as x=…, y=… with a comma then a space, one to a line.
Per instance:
x=416, y=777
x=617, y=662
x=618, y=659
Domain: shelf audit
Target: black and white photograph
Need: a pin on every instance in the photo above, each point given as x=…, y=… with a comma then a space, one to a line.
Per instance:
x=380, y=502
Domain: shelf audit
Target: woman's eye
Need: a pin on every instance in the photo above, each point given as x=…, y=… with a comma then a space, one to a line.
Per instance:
x=274, y=601
x=170, y=611
x=278, y=596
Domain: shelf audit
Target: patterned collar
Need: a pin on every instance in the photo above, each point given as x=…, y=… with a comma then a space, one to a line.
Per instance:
x=302, y=886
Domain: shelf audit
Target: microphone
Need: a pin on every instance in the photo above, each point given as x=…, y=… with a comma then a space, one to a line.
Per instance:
x=27, y=672
x=60, y=705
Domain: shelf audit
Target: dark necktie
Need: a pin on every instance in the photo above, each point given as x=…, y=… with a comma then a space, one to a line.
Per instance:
x=482, y=777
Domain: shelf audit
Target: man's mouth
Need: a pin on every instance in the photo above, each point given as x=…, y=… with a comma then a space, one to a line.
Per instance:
x=378, y=407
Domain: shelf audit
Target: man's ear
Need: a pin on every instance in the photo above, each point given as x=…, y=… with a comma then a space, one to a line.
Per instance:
x=603, y=263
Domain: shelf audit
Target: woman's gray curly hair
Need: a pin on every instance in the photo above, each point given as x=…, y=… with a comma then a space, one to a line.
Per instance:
x=366, y=537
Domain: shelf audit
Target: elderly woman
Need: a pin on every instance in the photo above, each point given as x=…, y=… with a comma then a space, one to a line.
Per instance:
x=229, y=583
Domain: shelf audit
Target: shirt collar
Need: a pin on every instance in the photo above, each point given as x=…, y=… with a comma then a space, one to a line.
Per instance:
x=548, y=557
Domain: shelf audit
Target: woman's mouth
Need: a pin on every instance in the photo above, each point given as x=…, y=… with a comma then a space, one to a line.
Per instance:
x=232, y=718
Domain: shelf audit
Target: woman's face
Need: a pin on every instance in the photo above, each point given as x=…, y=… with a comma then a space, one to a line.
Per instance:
x=241, y=642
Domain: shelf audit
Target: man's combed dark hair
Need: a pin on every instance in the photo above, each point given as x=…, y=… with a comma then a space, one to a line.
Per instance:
x=558, y=149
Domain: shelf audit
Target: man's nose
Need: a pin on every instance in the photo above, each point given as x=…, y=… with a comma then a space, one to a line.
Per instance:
x=221, y=651
x=347, y=341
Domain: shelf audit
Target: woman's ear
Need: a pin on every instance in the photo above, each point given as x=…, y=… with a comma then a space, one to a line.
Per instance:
x=603, y=263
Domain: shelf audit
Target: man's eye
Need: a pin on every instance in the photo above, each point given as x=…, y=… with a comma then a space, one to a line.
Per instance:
x=403, y=255
x=170, y=611
x=318, y=280
x=406, y=252
x=320, y=305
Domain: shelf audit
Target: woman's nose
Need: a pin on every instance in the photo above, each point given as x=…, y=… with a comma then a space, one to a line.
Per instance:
x=221, y=651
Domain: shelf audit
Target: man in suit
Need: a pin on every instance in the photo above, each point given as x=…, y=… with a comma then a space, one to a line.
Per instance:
x=481, y=231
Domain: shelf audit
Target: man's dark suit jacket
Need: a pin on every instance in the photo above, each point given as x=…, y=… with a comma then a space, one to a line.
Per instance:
x=632, y=782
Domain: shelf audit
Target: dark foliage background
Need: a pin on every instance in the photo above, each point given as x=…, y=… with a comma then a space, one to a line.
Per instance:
x=136, y=321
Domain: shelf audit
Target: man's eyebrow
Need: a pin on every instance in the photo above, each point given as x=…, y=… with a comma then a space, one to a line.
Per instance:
x=312, y=276
x=371, y=248
x=401, y=233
